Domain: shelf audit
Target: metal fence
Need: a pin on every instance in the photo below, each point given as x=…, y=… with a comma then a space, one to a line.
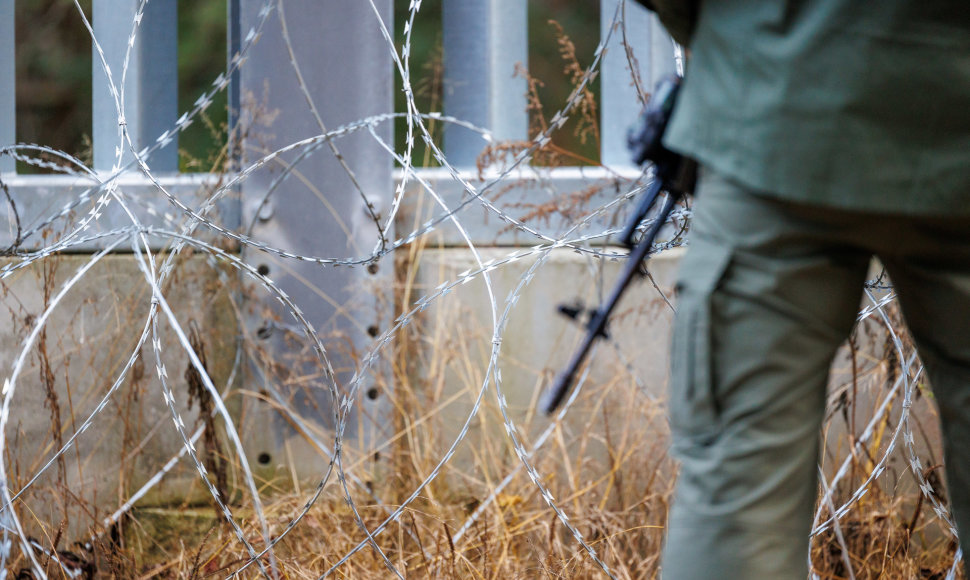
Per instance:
x=306, y=211
x=483, y=40
x=311, y=215
x=323, y=69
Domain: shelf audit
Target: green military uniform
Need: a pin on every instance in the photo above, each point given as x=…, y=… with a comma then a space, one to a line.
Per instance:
x=829, y=132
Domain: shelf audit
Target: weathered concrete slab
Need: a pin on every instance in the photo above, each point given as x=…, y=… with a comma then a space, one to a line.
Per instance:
x=627, y=379
x=454, y=340
x=86, y=343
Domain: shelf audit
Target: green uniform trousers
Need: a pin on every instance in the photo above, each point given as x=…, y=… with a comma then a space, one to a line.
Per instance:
x=767, y=292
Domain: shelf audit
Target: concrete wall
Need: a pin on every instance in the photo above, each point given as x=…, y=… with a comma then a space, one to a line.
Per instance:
x=440, y=361
x=631, y=371
x=89, y=338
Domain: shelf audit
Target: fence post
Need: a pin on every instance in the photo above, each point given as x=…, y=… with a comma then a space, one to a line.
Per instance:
x=8, y=86
x=653, y=51
x=483, y=41
x=151, y=84
x=233, y=40
x=339, y=52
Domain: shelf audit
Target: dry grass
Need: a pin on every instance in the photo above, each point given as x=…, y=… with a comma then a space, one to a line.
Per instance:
x=482, y=516
x=606, y=465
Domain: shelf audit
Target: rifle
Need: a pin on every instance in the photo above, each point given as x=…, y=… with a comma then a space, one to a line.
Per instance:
x=673, y=174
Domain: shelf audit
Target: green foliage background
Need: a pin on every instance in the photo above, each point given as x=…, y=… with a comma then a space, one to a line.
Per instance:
x=54, y=67
x=579, y=20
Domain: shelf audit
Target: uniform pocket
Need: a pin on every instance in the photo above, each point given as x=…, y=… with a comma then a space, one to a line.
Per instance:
x=694, y=407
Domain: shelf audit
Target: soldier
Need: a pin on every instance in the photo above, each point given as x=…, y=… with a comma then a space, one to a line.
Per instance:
x=829, y=132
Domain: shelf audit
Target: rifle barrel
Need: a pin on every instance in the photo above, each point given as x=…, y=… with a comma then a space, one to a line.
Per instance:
x=551, y=400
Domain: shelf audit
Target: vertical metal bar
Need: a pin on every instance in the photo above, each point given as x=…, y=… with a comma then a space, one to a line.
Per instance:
x=483, y=41
x=509, y=35
x=158, y=77
x=466, y=89
x=653, y=52
x=233, y=39
x=151, y=81
x=8, y=86
x=345, y=65
x=662, y=60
